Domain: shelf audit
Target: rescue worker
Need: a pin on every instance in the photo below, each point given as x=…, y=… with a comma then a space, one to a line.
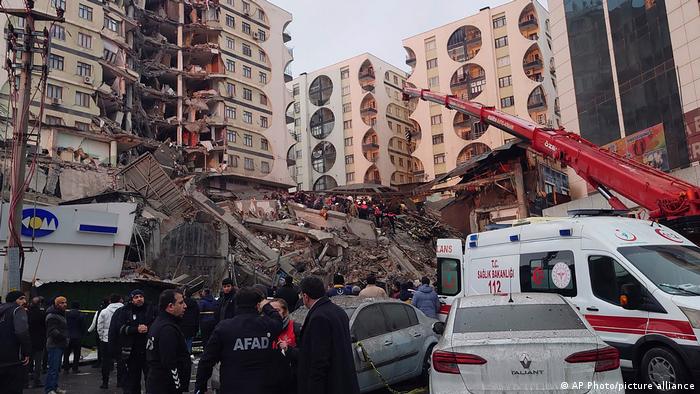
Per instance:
x=338, y=287
x=227, y=306
x=16, y=343
x=243, y=345
x=169, y=364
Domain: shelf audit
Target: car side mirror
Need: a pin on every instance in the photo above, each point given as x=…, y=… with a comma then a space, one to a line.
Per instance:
x=630, y=297
x=439, y=327
x=360, y=353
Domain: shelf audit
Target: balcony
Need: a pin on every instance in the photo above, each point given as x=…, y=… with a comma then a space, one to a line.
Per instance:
x=527, y=24
x=533, y=65
x=290, y=119
x=366, y=75
x=536, y=104
x=368, y=111
x=286, y=37
x=411, y=61
x=291, y=162
x=370, y=145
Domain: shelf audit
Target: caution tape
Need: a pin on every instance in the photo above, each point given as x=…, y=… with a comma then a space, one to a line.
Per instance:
x=381, y=377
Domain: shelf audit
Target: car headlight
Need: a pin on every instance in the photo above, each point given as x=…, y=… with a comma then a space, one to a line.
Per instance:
x=693, y=316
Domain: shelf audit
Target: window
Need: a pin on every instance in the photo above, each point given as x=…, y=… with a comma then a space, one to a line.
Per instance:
x=248, y=164
x=520, y=318
x=84, y=69
x=345, y=73
x=247, y=94
x=400, y=162
x=265, y=167
x=263, y=99
x=346, y=90
x=432, y=63
x=85, y=12
x=264, y=144
x=247, y=140
x=608, y=277
x=84, y=40
x=433, y=81
x=501, y=42
x=672, y=268
x=230, y=65
x=248, y=117
x=246, y=8
x=438, y=139
x=111, y=24
x=229, y=2
x=82, y=99
x=350, y=177
x=54, y=92
x=507, y=102
x=262, y=36
x=233, y=160
x=230, y=112
x=349, y=159
x=435, y=120
x=263, y=122
x=348, y=141
x=347, y=124
x=58, y=4
x=82, y=126
x=246, y=50
x=58, y=32
x=295, y=90
x=247, y=72
x=261, y=14
x=297, y=107
x=231, y=136
x=448, y=270
x=347, y=107
x=369, y=323
x=54, y=120
x=505, y=81
x=430, y=45
x=391, y=157
x=503, y=61
x=548, y=272
x=230, y=43
x=262, y=56
x=230, y=89
x=396, y=79
x=230, y=21
x=262, y=77
x=499, y=22
x=439, y=159
x=399, y=316
x=246, y=28
x=391, y=127
x=55, y=62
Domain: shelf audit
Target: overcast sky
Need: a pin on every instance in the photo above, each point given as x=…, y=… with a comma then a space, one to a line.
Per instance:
x=325, y=32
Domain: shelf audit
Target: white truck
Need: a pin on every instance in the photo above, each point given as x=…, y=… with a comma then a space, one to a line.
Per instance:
x=636, y=282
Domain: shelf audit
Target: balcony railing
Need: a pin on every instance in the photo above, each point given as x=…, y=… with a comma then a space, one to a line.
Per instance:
x=535, y=64
x=366, y=75
x=370, y=145
x=528, y=23
x=368, y=111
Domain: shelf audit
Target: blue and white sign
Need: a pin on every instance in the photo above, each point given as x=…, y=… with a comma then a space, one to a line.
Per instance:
x=37, y=222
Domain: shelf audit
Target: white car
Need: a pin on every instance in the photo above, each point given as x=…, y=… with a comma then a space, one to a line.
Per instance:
x=527, y=342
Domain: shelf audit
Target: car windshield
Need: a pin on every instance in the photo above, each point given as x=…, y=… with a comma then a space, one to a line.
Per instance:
x=675, y=269
x=530, y=317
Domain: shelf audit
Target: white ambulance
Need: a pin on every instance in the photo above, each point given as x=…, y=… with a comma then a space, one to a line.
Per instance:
x=636, y=282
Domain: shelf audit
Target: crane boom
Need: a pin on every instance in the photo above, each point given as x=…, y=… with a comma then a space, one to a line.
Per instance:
x=664, y=196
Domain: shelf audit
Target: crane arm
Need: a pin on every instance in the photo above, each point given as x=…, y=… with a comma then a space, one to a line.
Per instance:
x=661, y=194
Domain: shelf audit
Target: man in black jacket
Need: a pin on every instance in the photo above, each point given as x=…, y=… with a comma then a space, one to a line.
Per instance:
x=56, y=341
x=227, y=306
x=325, y=352
x=243, y=345
x=288, y=293
x=15, y=343
x=169, y=364
x=129, y=329
x=189, y=323
x=76, y=328
x=37, y=332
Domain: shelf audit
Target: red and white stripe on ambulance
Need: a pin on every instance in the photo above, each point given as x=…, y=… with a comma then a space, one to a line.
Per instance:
x=450, y=254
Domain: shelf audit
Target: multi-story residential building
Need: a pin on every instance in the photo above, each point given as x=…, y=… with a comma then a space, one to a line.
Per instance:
x=203, y=74
x=500, y=57
x=626, y=68
x=351, y=126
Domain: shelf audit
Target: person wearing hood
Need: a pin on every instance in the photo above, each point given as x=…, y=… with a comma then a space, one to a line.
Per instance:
x=56, y=341
x=207, y=314
x=16, y=342
x=426, y=299
x=131, y=323
x=76, y=328
x=169, y=364
x=103, y=323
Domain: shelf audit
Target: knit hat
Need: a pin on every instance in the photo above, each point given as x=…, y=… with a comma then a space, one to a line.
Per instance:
x=59, y=300
x=14, y=296
x=135, y=292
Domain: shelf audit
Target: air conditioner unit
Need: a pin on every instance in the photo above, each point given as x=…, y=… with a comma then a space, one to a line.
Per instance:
x=87, y=80
x=256, y=36
x=55, y=101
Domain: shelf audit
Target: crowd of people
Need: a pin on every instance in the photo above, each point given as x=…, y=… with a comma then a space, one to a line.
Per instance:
x=248, y=330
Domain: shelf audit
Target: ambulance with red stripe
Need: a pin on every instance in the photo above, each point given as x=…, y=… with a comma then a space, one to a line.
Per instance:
x=636, y=282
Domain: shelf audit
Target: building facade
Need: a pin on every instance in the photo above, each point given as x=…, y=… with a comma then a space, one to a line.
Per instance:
x=626, y=69
x=206, y=75
x=500, y=57
x=350, y=125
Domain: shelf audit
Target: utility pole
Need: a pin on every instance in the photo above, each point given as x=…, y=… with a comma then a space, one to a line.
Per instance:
x=29, y=45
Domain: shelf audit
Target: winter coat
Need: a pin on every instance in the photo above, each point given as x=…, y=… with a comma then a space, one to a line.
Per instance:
x=104, y=320
x=190, y=321
x=76, y=325
x=426, y=299
x=56, y=328
x=325, y=357
x=373, y=291
x=37, y=327
x=227, y=307
x=243, y=345
x=289, y=294
x=208, y=304
x=124, y=336
x=15, y=341
x=169, y=364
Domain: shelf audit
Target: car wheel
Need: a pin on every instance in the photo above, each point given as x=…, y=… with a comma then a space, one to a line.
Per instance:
x=662, y=366
x=427, y=362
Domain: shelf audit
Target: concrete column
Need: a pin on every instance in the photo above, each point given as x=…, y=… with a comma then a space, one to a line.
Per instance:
x=113, y=153
x=520, y=189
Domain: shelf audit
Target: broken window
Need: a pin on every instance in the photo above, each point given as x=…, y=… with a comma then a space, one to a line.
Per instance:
x=82, y=99
x=249, y=164
x=84, y=40
x=85, y=12
x=246, y=50
x=84, y=69
x=263, y=122
x=58, y=32
x=247, y=72
x=248, y=117
x=54, y=92
x=56, y=62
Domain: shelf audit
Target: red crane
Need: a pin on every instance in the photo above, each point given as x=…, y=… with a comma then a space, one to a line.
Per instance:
x=672, y=200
